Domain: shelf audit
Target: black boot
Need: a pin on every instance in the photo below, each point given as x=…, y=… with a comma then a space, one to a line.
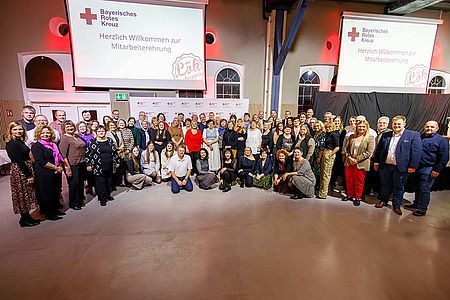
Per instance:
x=298, y=196
x=27, y=221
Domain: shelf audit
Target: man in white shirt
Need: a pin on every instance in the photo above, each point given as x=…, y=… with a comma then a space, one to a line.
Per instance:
x=39, y=120
x=180, y=167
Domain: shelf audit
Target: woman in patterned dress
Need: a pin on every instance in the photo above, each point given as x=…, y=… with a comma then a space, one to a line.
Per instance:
x=319, y=138
x=22, y=180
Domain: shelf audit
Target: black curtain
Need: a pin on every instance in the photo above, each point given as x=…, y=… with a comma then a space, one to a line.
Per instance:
x=417, y=108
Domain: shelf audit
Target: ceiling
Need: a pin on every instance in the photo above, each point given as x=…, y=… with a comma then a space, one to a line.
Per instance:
x=399, y=7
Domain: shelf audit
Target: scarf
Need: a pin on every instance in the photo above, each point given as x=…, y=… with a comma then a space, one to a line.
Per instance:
x=52, y=146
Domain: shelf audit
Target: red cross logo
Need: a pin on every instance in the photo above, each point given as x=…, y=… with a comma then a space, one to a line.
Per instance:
x=353, y=34
x=88, y=16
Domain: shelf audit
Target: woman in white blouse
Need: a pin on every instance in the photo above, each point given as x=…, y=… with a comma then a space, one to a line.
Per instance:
x=254, y=139
x=166, y=155
x=211, y=144
x=150, y=162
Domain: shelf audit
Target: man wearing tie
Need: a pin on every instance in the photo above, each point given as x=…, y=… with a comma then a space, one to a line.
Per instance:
x=397, y=155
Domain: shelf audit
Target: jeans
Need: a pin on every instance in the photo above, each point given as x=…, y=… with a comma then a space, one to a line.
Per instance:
x=176, y=188
x=423, y=189
x=392, y=181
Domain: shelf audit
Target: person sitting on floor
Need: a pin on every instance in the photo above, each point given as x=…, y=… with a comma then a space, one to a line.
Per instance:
x=303, y=178
x=263, y=171
x=246, y=169
x=166, y=155
x=150, y=162
x=228, y=171
x=135, y=172
x=180, y=167
x=205, y=177
x=282, y=166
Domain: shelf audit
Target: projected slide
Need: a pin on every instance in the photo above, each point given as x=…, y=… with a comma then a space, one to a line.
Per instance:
x=134, y=45
x=385, y=53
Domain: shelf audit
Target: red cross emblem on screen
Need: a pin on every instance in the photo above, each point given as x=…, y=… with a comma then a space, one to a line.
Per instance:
x=88, y=16
x=353, y=34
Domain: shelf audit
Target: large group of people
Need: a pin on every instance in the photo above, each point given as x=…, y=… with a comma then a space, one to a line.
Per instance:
x=301, y=156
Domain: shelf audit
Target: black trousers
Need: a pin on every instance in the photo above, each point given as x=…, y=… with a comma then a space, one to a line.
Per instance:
x=119, y=176
x=245, y=178
x=194, y=156
x=228, y=177
x=103, y=185
x=76, y=184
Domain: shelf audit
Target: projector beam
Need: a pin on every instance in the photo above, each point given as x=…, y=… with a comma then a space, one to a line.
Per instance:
x=403, y=7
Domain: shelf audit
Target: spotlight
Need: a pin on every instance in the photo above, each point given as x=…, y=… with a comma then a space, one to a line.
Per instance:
x=210, y=38
x=58, y=26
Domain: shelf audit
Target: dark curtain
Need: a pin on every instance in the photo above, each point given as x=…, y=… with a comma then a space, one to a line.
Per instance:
x=418, y=108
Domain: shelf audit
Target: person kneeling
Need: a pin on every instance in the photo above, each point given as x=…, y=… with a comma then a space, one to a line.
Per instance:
x=247, y=164
x=205, y=177
x=303, y=178
x=180, y=167
x=135, y=172
x=263, y=171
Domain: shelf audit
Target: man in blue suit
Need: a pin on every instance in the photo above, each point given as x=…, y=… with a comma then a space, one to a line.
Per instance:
x=397, y=155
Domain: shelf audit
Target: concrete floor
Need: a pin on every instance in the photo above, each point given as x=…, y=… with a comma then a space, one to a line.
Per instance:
x=247, y=244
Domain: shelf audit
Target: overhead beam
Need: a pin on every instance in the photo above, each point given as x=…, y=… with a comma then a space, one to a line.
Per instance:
x=292, y=32
x=403, y=7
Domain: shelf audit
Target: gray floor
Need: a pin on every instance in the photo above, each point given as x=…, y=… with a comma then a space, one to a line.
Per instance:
x=246, y=244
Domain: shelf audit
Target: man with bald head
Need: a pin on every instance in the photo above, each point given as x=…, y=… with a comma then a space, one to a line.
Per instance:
x=434, y=159
x=39, y=120
x=60, y=117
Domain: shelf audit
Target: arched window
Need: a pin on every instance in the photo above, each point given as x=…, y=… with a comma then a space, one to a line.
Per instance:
x=437, y=85
x=42, y=72
x=228, y=84
x=308, y=83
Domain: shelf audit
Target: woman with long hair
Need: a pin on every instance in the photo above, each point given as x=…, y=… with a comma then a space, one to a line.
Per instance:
x=228, y=171
x=48, y=168
x=102, y=160
x=211, y=144
x=263, y=171
x=176, y=133
x=229, y=139
x=166, y=155
x=278, y=130
x=338, y=166
x=73, y=150
x=246, y=168
x=302, y=177
x=319, y=139
x=128, y=144
x=241, y=137
x=115, y=135
x=23, y=194
x=161, y=137
x=358, y=149
x=93, y=127
x=205, y=177
x=306, y=143
x=282, y=167
x=287, y=141
x=267, y=138
x=151, y=163
x=135, y=171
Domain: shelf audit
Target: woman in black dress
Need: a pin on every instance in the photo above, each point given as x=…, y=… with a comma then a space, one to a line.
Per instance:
x=230, y=138
x=161, y=137
x=282, y=166
x=246, y=168
x=48, y=168
x=102, y=159
x=22, y=181
x=228, y=171
x=241, y=137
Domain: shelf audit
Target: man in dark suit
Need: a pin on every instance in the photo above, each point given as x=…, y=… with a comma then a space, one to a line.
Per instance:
x=397, y=155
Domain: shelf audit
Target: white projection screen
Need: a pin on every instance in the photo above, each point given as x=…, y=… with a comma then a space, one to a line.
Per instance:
x=137, y=45
x=381, y=53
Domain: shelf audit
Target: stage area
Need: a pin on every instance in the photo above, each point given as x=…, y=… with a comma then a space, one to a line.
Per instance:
x=246, y=244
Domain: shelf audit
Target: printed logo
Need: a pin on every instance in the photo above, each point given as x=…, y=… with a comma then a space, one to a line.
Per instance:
x=417, y=76
x=88, y=16
x=187, y=67
x=353, y=34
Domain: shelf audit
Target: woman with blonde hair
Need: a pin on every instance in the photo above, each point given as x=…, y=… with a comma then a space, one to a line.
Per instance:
x=176, y=133
x=241, y=137
x=48, y=168
x=22, y=178
x=246, y=168
x=358, y=149
x=319, y=140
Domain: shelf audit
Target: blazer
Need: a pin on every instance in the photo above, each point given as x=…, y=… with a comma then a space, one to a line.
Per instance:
x=364, y=153
x=266, y=169
x=407, y=153
x=144, y=141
